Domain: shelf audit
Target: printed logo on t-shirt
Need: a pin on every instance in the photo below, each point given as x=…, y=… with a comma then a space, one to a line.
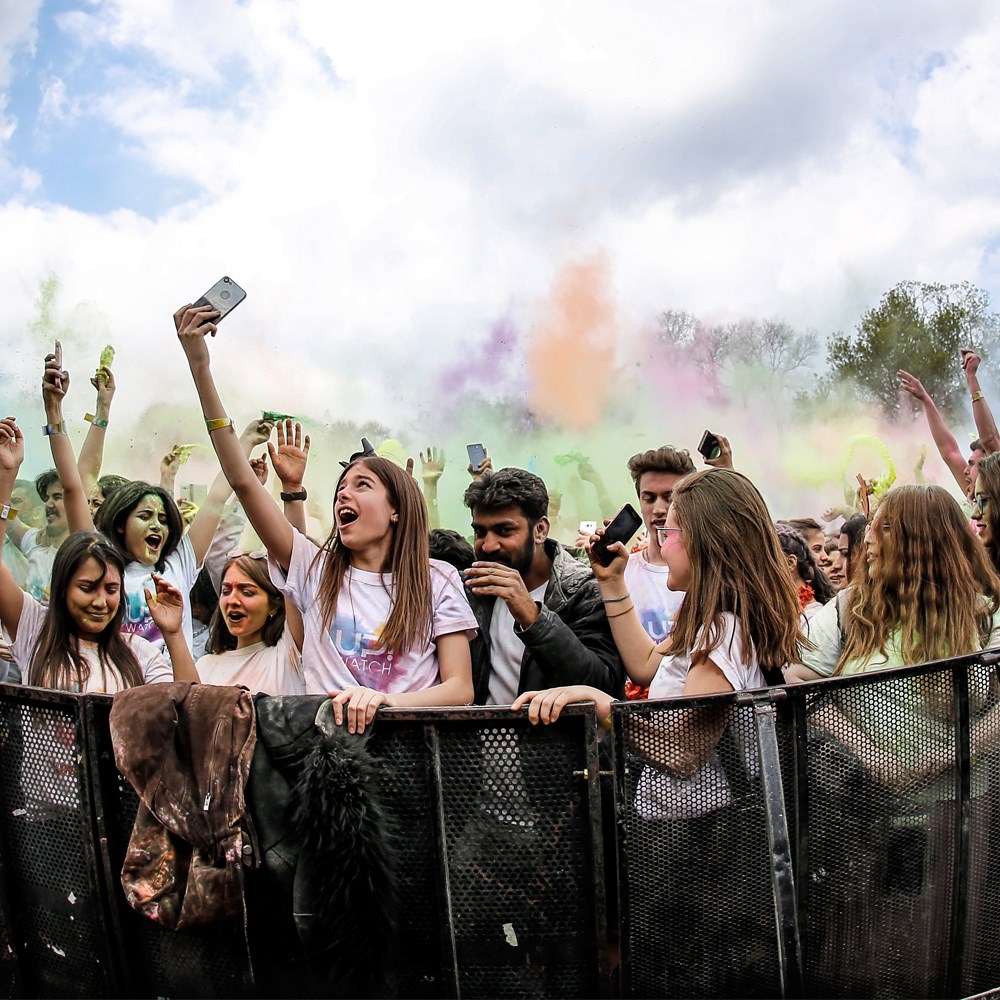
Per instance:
x=657, y=623
x=362, y=652
x=138, y=620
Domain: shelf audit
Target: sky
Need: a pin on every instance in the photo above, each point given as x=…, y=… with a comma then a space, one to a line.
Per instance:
x=428, y=204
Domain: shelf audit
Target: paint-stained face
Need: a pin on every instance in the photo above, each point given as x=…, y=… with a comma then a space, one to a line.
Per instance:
x=146, y=530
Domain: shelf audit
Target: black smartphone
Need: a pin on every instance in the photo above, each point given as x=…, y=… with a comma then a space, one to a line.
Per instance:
x=621, y=528
x=709, y=445
x=225, y=295
x=477, y=455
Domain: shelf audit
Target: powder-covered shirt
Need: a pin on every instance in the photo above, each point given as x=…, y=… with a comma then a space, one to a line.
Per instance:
x=349, y=653
x=40, y=560
x=275, y=670
x=181, y=570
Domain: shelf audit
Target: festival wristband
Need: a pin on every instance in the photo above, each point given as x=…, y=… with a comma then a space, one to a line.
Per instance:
x=96, y=421
x=218, y=423
x=59, y=428
x=978, y=396
x=7, y=512
x=297, y=495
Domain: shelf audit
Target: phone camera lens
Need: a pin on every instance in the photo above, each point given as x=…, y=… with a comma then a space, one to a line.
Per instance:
x=225, y=293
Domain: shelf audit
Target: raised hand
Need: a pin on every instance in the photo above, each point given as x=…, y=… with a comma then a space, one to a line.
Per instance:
x=431, y=464
x=259, y=466
x=970, y=361
x=166, y=606
x=192, y=324
x=911, y=384
x=104, y=383
x=256, y=432
x=55, y=381
x=11, y=445
x=724, y=460
x=291, y=454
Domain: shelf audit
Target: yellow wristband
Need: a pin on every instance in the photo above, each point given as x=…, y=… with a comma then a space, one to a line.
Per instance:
x=606, y=724
x=978, y=396
x=7, y=512
x=218, y=423
x=96, y=421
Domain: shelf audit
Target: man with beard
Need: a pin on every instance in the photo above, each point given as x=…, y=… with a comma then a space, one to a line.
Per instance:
x=541, y=619
x=40, y=545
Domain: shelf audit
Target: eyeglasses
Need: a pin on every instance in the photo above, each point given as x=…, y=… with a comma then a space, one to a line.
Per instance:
x=979, y=502
x=662, y=534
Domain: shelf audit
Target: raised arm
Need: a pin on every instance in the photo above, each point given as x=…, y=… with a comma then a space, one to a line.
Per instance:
x=55, y=384
x=945, y=441
x=986, y=427
x=209, y=514
x=431, y=468
x=92, y=452
x=268, y=521
x=11, y=457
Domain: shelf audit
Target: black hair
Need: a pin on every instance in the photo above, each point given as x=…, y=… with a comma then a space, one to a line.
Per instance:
x=666, y=458
x=854, y=527
x=509, y=488
x=45, y=480
x=451, y=547
x=109, y=483
x=115, y=511
x=793, y=543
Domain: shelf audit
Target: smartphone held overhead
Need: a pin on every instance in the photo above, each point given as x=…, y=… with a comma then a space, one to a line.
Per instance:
x=709, y=446
x=621, y=528
x=477, y=455
x=225, y=295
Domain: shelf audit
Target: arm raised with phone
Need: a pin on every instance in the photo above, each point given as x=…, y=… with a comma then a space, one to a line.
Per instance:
x=194, y=324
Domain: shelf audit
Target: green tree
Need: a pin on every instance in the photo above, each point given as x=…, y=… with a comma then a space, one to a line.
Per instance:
x=920, y=328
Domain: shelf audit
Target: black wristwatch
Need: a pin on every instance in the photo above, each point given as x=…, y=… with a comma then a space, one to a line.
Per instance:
x=288, y=497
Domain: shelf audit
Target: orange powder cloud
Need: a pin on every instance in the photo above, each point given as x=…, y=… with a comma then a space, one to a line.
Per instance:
x=572, y=347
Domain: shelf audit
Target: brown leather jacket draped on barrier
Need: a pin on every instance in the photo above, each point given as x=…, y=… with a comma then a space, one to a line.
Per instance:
x=186, y=750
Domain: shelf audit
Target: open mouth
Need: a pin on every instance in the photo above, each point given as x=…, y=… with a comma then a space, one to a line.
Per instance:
x=236, y=617
x=346, y=515
x=153, y=542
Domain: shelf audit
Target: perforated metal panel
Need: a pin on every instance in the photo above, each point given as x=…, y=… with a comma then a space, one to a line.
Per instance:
x=53, y=889
x=896, y=842
x=698, y=914
x=501, y=854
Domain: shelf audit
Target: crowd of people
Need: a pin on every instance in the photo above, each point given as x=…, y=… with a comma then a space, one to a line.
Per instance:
x=113, y=583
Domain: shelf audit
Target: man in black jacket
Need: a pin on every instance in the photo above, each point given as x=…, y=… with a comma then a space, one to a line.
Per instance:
x=541, y=619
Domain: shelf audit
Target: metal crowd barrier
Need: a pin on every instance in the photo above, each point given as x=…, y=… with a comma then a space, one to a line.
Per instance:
x=831, y=839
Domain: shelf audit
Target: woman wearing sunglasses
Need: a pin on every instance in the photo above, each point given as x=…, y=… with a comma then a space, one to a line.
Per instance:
x=254, y=638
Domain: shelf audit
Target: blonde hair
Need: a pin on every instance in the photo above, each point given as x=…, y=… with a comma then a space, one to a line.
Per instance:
x=930, y=581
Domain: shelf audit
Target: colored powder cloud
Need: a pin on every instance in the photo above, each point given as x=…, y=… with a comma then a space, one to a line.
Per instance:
x=572, y=347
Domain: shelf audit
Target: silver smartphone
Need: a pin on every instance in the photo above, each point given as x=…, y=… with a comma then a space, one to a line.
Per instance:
x=225, y=295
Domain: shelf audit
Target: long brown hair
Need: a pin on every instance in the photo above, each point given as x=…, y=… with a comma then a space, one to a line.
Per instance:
x=411, y=618
x=737, y=566
x=930, y=580
x=55, y=659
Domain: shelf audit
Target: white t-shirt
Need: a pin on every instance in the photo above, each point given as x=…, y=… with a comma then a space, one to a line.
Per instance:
x=40, y=559
x=274, y=670
x=506, y=651
x=154, y=666
x=661, y=795
x=180, y=570
x=655, y=604
x=348, y=653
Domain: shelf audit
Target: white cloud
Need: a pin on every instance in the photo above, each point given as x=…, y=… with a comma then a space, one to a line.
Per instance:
x=389, y=180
